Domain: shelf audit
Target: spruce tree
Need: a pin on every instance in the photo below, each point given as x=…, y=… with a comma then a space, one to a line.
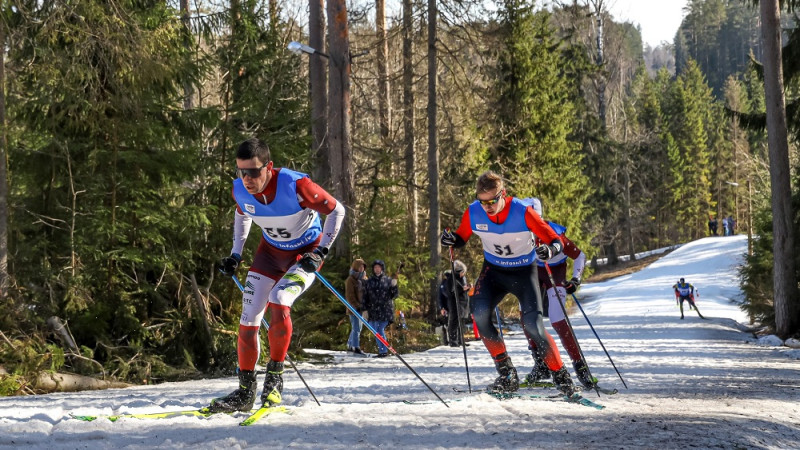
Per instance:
x=535, y=118
x=105, y=164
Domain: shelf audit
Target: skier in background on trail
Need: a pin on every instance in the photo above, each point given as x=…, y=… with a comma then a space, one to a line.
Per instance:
x=559, y=292
x=286, y=205
x=685, y=292
x=504, y=225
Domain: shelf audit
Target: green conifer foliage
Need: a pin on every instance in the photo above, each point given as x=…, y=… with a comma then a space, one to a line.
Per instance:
x=106, y=164
x=690, y=159
x=535, y=119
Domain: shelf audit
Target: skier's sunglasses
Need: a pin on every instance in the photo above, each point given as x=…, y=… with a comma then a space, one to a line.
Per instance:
x=252, y=173
x=494, y=200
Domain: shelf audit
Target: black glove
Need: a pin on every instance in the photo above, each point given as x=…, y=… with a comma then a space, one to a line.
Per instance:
x=448, y=238
x=311, y=262
x=572, y=285
x=545, y=251
x=229, y=264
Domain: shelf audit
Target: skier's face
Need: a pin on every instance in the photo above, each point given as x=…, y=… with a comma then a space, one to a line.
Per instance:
x=492, y=201
x=255, y=174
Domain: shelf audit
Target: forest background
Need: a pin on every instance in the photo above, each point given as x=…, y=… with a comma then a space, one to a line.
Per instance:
x=120, y=119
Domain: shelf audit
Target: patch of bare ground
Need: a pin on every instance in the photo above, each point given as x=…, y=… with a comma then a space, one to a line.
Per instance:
x=605, y=272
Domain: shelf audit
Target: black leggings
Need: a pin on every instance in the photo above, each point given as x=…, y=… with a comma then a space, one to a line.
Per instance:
x=492, y=286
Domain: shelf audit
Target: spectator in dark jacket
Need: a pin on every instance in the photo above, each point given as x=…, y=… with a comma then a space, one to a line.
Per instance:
x=447, y=302
x=379, y=294
x=354, y=294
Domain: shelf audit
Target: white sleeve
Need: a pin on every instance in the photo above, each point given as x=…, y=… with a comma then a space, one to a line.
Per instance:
x=241, y=228
x=578, y=265
x=332, y=226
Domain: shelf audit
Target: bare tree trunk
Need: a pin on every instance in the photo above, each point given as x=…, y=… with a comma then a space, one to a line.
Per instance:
x=408, y=121
x=339, y=118
x=60, y=330
x=598, y=6
x=749, y=217
x=202, y=317
x=236, y=33
x=433, y=152
x=188, y=90
x=74, y=215
x=273, y=13
x=384, y=103
x=319, y=95
x=784, y=281
x=4, y=276
x=628, y=221
x=66, y=382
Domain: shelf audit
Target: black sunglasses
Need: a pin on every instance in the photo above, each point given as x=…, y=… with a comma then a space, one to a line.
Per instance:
x=492, y=201
x=252, y=173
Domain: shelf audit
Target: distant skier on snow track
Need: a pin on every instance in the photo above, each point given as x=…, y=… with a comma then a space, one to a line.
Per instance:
x=685, y=292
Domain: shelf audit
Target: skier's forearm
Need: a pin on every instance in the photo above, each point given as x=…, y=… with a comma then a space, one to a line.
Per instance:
x=332, y=226
x=241, y=228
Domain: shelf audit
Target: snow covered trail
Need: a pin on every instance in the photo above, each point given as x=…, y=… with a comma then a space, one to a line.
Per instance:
x=692, y=383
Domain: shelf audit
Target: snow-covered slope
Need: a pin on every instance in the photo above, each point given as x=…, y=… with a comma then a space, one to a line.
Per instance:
x=692, y=382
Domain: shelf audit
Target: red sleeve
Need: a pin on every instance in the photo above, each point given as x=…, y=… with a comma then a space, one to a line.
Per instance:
x=314, y=197
x=539, y=227
x=464, y=229
x=570, y=249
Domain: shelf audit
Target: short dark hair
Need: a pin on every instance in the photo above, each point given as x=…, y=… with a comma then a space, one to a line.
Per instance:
x=488, y=181
x=253, y=148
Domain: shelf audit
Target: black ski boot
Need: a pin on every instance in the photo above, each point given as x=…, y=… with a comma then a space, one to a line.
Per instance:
x=241, y=399
x=563, y=382
x=273, y=384
x=508, y=381
x=582, y=371
x=539, y=373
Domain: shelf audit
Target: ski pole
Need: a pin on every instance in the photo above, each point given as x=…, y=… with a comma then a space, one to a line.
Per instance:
x=377, y=336
x=458, y=316
x=289, y=360
x=561, y=302
x=598, y=340
x=499, y=321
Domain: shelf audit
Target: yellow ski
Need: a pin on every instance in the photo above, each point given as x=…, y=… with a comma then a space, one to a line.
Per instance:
x=261, y=412
x=202, y=412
